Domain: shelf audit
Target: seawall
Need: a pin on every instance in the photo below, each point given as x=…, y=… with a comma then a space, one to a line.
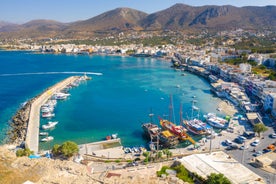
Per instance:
x=32, y=134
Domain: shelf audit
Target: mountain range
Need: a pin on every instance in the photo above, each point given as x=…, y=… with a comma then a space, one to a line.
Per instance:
x=178, y=17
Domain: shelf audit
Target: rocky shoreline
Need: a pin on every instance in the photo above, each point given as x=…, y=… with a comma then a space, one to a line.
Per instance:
x=18, y=124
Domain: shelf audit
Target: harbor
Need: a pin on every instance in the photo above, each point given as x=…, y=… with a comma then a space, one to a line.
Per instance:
x=32, y=135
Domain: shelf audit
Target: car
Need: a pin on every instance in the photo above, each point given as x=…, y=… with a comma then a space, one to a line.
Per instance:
x=241, y=137
x=239, y=141
x=255, y=143
x=243, y=147
x=228, y=142
x=273, y=136
x=258, y=153
x=266, y=150
x=249, y=134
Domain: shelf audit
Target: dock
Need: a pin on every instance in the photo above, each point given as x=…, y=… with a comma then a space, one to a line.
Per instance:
x=32, y=136
x=103, y=149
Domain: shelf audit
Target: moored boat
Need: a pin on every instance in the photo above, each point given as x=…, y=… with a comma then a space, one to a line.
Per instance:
x=197, y=127
x=215, y=121
x=47, y=139
x=43, y=133
x=48, y=115
x=177, y=130
x=51, y=124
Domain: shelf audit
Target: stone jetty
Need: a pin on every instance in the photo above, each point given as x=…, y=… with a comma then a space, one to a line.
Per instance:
x=24, y=125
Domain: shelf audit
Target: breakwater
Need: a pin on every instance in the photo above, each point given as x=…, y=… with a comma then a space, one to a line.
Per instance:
x=25, y=123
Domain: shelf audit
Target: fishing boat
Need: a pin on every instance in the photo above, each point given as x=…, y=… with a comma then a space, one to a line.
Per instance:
x=215, y=121
x=114, y=136
x=43, y=133
x=48, y=115
x=51, y=124
x=60, y=96
x=47, y=139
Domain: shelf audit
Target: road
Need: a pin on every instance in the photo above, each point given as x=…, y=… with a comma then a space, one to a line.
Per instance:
x=245, y=156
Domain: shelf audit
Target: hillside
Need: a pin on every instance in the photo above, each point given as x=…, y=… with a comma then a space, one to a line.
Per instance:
x=178, y=17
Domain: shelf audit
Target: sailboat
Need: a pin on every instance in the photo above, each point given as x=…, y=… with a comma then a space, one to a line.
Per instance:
x=195, y=125
x=177, y=130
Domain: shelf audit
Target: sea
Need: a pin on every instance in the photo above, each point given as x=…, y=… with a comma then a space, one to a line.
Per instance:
x=119, y=101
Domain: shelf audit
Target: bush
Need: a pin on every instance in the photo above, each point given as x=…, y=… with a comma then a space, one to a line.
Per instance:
x=217, y=179
x=67, y=149
x=162, y=171
x=24, y=152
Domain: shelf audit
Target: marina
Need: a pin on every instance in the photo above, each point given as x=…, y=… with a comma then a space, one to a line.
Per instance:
x=32, y=135
x=152, y=95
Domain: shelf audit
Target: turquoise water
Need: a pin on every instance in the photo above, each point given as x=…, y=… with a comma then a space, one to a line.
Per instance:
x=119, y=101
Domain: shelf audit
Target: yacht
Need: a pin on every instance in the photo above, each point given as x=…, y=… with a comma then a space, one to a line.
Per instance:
x=51, y=124
x=47, y=139
x=215, y=121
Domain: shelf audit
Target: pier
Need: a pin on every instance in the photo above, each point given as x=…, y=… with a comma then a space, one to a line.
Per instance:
x=32, y=135
x=107, y=149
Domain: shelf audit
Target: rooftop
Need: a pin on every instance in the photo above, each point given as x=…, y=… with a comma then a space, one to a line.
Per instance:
x=220, y=162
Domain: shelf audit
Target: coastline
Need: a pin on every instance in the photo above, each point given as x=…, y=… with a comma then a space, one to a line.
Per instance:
x=24, y=124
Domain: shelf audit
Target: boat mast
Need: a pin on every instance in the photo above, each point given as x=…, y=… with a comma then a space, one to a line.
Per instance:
x=170, y=109
x=181, y=120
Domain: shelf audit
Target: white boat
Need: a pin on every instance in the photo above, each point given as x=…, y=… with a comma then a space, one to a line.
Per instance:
x=46, y=139
x=60, y=96
x=51, y=124
x=47, y=109
x=43, y=133
x=215, y=121
x=114, y=136
x=48, y=115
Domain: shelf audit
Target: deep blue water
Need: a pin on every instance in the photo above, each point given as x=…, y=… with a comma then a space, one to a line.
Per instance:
x=119, y=101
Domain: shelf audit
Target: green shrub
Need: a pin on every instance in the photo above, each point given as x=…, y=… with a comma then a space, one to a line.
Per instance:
x=162, y=171
x=24, y=152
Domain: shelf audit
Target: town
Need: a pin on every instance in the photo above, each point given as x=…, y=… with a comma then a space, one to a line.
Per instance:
x=239, y=66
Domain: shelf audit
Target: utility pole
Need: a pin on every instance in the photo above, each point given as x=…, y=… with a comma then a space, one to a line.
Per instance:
x=210, y=151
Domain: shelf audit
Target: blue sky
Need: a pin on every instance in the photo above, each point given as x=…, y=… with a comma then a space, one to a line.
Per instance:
x=21, y=11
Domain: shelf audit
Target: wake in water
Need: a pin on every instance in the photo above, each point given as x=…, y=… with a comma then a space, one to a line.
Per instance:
x=49, y=73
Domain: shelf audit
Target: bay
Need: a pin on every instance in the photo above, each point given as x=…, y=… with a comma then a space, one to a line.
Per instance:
x=119, y=101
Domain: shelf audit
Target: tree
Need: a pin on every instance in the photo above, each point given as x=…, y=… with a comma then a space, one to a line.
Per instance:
x=56, y=150
x=259, y=127
x=217, y=179
x=168, y=153
x=24, y=152
x=69, y=148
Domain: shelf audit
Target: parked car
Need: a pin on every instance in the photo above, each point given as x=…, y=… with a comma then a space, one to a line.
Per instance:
x=249, y=134
x=241, y=137
x=232, y=147
x=228, y=142
x=255, y=143
x=239, y=141
x=243, y=147
x=258, y=153
x=273, y=136
x=266, y=150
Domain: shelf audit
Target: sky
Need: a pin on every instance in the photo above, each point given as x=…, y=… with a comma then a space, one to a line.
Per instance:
x=22, y=11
